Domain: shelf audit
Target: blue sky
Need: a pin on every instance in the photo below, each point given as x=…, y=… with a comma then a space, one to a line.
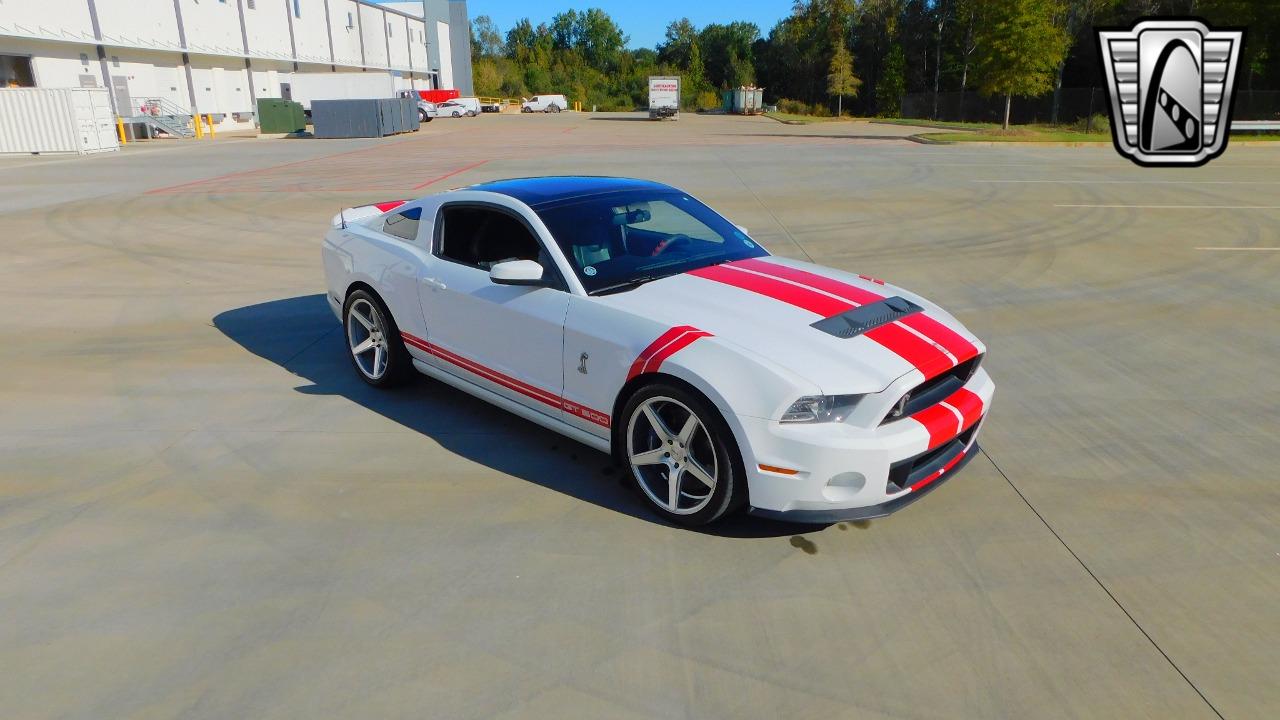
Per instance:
x=644, y=20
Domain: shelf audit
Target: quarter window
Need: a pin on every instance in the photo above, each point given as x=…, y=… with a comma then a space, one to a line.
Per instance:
x=404, y=225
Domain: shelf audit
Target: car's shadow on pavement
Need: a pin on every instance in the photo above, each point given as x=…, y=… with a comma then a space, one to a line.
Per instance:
x=301, y=335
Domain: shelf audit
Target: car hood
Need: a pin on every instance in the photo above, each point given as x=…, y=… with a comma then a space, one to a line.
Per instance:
x=767, y=307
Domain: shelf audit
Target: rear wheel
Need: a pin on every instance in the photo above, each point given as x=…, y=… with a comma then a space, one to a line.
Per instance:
x=555, y=108
x=373, y=341
x=471, y=113
x=681, y=455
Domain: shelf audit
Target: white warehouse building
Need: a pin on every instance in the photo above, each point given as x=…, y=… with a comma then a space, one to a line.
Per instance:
x=219, y=56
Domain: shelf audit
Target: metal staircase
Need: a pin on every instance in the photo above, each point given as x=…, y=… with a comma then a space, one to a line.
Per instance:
x=165, y=116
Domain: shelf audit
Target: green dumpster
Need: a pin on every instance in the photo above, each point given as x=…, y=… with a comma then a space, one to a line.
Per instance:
x=276, y=115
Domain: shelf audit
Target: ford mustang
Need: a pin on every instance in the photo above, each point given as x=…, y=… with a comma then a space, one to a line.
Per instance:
x=629, y=316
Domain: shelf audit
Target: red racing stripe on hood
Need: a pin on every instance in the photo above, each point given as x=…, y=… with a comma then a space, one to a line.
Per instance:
x=917, y=351
x=949, y=339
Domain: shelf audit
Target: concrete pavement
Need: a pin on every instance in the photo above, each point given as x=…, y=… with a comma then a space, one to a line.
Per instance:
x=204, y=514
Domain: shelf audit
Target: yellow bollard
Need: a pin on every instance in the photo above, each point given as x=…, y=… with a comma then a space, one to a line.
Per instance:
x=120, y=130
x=195, y=120
x=210, y=119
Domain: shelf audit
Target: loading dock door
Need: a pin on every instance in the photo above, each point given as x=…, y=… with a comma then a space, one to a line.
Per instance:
x=120, y=89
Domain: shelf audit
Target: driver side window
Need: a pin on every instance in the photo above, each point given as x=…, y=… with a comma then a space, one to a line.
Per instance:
x=482, y=237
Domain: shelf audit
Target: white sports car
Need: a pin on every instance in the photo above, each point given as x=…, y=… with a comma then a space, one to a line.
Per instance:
x=631, y=317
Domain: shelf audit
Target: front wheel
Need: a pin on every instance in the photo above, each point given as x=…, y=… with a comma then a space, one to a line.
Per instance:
x=373, y=341
x=681, y=455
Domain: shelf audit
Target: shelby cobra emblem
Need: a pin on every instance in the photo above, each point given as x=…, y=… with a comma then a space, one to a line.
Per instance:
x=1170, y=82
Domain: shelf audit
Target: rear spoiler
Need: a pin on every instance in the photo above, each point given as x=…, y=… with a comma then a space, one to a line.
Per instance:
x=361, y=212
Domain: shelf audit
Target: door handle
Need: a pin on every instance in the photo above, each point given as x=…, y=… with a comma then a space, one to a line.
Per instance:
x=433, y=283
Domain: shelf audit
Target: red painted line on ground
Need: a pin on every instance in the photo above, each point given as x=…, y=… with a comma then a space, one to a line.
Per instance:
x=243, y=173
x=448, y=175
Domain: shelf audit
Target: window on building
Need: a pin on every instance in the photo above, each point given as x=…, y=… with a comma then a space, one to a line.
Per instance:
x=253, y=4
x=297, y=8
x=15, y=71
x=388, y=29
x=351, y=21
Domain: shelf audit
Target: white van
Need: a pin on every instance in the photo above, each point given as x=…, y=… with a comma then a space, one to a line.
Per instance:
x=458, y=107
x=545, y=103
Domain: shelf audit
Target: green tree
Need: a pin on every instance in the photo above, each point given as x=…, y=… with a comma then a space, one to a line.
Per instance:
x=892, y=83
x=841, y=81
x=1019, y=49
x=485, y=39
x=680, y=37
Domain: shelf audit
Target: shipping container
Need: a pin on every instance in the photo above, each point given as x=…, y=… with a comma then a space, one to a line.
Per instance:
x=744, y=100
x=373, y=117
x=57, y=120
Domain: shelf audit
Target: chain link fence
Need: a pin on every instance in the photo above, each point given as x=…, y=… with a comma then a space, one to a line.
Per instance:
x=1074, y=104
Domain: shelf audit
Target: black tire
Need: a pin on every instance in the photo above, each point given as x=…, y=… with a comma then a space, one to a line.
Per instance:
x=730, y=491
x=555, y=108
x=399, y=365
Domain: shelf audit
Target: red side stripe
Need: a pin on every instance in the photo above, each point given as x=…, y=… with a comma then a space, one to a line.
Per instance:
x=954, y=343
x=508, y=382
x=804, y=298
x=672, y=348
x=938, y=473
x=389, y=206
x=668, y=343
x=637, y=367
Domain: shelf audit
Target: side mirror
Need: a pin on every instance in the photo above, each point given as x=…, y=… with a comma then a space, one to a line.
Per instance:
x=743, y=230
x=516, y=272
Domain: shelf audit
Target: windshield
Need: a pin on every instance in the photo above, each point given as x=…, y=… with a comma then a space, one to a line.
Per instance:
x=617, y=240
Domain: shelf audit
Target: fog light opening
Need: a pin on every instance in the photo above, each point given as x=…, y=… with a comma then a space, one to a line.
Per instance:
x=851, y=480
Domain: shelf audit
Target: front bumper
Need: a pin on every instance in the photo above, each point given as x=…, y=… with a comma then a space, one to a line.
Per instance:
x=866, y=512
x=837, y=471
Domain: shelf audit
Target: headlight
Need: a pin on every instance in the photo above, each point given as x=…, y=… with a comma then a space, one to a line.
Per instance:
x=820, y=408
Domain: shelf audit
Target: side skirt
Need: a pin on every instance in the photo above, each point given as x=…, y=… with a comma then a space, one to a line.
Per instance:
x=511, y=406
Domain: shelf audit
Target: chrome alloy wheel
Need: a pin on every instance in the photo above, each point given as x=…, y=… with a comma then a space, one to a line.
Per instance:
x=672, y=455
x=367, y=338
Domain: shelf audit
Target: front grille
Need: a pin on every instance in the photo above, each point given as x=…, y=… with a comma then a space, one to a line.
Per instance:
x=936, y=389
x=905, y=473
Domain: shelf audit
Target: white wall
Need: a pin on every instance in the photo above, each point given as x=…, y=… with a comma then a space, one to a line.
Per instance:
x=213, y=26
x=150, y=23
x=267, y=27
x=446, y=56
x=346, y=40
x=309, y=31
x=374, y=30
x=142, y=44
x=54, y=17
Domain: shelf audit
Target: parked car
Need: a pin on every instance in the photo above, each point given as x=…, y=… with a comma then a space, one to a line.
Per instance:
x=545, y=103
x=427, y=111
x=459, y=107
x=629, y=316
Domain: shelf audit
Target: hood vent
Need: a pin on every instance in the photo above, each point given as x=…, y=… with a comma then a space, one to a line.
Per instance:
x=868, y=317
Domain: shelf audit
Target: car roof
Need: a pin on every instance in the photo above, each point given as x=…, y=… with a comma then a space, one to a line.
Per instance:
x=542, y=191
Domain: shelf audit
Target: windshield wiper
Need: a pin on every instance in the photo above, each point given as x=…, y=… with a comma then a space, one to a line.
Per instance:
x=631, y=284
